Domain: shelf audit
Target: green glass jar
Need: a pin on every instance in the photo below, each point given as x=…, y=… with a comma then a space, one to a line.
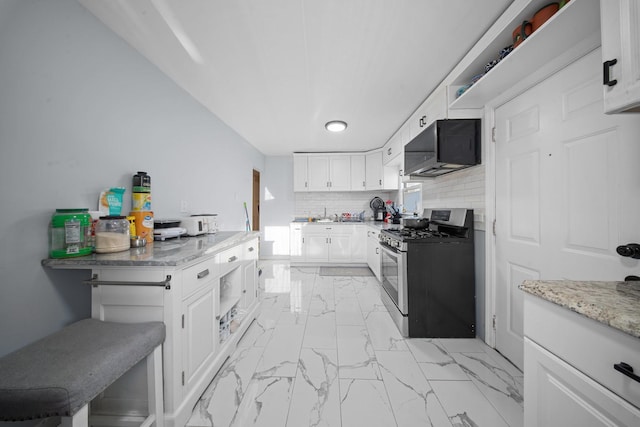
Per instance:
x=69, y=233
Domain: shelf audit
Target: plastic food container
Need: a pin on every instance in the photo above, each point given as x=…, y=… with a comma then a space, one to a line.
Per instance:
x=69, y=233
x=112, y=234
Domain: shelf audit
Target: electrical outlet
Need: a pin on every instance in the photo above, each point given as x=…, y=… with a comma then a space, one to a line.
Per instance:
x=184, y=206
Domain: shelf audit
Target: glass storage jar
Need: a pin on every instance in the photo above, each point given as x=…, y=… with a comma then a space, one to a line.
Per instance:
x=69, y=232
x=112, y=234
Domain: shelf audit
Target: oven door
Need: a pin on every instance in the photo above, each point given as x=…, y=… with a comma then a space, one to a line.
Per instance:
x=394, y=277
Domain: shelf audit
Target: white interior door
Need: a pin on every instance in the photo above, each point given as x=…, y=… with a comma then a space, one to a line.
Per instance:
x=567, y=191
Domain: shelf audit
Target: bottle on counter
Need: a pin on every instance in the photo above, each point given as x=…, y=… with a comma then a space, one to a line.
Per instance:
x=69, y=233
x=141, y=192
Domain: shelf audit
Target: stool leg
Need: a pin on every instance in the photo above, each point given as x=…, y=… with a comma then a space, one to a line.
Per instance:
x=155, y=386
x=79, y=419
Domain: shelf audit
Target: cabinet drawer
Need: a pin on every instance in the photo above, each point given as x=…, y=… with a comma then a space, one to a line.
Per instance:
x=196, y=276
x=250, y=250
x=230, y=259
x=589, y=346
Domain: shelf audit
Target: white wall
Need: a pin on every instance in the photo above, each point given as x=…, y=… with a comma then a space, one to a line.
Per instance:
x=81, y=111
x=277, y=207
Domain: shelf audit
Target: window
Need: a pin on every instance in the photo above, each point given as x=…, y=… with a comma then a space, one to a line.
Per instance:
x=412, y=198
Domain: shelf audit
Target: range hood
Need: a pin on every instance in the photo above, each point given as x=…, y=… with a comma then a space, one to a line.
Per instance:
x=444, y=146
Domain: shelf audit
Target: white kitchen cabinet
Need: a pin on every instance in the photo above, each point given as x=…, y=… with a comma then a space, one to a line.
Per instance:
x=559, y=395
x=329, y=173
x=337, y=243
x=315, y=243
x=200, y=334
x=375, y=175
x=619, y=21
x=380, y=177
x=573, y=381
x=190, y=297
x=392, y=149
x=359, y=244
x=358, y=172
x=373, y=252
x=250, y=278
x=327, y=243
x=295, y=242
x=300, y=173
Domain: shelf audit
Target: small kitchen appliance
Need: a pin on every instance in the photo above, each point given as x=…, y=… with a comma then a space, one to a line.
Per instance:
x=428, y=275
x=378, y=207
x=197, y=225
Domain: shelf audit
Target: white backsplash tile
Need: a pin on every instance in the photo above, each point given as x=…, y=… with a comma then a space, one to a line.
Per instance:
x=336, y=203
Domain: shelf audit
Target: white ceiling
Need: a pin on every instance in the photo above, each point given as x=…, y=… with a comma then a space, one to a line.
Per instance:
x=277, y=70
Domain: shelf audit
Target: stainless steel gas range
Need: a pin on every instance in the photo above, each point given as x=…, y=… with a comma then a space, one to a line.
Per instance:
x=428, y=275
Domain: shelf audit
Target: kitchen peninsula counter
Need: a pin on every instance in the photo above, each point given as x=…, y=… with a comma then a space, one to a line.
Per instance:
x=205, y=290
x=171, y=252
x=615, y=304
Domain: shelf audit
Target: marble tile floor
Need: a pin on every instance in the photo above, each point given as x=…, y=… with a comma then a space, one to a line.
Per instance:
x=324, y=352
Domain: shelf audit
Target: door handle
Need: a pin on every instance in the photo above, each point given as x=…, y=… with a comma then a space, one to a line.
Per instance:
x=630, y=250
x=627, y=370
x=606, y=68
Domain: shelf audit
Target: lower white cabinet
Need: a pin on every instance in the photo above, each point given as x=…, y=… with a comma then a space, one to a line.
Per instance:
x=373, y=252
x=337, y=243
x=200, y=338
x=206, y=305
x=569, y=375
x=559, y=395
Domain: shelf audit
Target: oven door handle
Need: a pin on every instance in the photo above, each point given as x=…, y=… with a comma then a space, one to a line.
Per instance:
x=389, y=250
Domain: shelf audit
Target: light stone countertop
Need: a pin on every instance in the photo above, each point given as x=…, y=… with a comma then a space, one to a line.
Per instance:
x=381, y=225
x=171, y=252
x=616, y=304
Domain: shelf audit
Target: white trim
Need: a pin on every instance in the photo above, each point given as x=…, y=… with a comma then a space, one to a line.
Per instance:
x=490, y=215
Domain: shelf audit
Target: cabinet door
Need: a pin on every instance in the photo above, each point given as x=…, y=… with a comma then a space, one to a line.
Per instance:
x=300, y=182
x=358, y=172
x=559, y=395
x=359, y=244
x=621, y=43
x=318, y=173
x=316, y=247
x=373, y=252
x=340, y=173
x=392, y=149
x=340, y=247
x=374, y=171
x=295, y=242
x=200, y=334
x=249, y=284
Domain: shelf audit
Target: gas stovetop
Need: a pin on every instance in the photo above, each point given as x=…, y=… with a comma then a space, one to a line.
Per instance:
x=445, y=225
x=415, y=234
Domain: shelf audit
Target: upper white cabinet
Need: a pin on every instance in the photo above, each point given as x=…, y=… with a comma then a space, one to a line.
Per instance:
x=374, y=171
x=358, y=172
x=342, y=172
x=329, y=173
x=300, y=172
x=568, y=35
x=621, y=55
x=392, y=149
x=434, y=108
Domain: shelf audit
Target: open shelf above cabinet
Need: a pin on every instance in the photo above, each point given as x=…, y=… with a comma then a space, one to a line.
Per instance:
x=569, y=34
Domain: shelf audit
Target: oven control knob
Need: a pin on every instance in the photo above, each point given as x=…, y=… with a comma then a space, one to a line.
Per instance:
x=631, y=250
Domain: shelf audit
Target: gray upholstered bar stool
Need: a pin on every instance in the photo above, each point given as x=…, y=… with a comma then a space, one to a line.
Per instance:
x=60, y=374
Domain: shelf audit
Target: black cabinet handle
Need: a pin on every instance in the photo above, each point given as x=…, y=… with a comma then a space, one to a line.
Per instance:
x=606, y=68
x=630, y=250
x=203, y=274
x=627, y=370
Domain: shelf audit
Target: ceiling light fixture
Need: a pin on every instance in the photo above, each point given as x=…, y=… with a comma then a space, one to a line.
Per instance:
x=336, y=126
